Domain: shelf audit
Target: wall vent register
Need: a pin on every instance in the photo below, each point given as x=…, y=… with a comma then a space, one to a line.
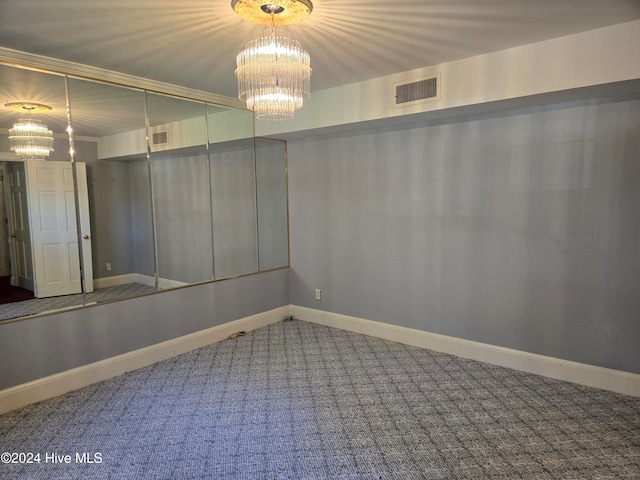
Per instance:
x=426, y=89
x=160, y=138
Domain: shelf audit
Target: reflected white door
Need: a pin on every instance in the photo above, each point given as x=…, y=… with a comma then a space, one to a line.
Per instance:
x=85, y=225
x=53, y=228
x=19, y=228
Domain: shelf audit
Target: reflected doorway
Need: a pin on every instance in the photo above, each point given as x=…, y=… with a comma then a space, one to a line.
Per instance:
x=43, y=239
x=8, y=292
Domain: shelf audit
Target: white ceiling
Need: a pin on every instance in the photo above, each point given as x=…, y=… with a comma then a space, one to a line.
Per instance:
x=193, y=43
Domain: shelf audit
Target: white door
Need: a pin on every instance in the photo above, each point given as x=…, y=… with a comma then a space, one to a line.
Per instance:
x=19, y=228
x=56, y=260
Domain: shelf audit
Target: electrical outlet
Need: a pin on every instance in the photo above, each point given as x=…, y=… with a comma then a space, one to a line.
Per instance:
x=318, y=294
x=108, y=266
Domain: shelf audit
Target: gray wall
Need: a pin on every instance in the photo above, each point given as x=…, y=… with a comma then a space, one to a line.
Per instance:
x=519, y=229
x=110, y=210
x=41, y=346
x=141, y=225
x=233, y=186
x=271, y=184
x=182, y=202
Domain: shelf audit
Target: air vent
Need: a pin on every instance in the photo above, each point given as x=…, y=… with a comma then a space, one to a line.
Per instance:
x=160, y=138
x=426, y=89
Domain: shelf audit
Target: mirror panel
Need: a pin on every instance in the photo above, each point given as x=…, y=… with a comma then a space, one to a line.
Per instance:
x=273, y=221
x=109, y=136
x=233, y=184
x=181, y=190
x=39, y=241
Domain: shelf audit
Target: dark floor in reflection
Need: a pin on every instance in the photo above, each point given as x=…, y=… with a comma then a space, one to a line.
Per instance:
x=41, y=305
x=10, y=293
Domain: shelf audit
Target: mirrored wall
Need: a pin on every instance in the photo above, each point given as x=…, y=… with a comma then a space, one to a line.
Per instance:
x=142, y=192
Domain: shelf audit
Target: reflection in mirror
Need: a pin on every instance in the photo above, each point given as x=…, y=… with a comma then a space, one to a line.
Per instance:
x=235, y=241
x=109, y=137
x=170, y=192
x=40, y=263
x=181, y=190
x=271, y=182
x=233, y=184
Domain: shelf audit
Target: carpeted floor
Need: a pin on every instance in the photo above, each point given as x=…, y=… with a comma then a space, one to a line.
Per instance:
x=299, y=401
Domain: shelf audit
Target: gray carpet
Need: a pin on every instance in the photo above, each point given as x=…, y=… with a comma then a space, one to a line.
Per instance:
x=301, y=401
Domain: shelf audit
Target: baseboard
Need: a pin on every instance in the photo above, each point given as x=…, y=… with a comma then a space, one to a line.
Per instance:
x=583, y=374
x=115, y=280
x=148, y=280
x=165, y=283
x=63, y=382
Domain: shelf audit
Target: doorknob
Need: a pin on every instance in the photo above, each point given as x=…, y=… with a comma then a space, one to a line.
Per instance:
x=86, y=237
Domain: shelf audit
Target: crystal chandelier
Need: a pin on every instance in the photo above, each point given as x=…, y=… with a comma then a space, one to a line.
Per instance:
x=273, y=70
x=30, y=139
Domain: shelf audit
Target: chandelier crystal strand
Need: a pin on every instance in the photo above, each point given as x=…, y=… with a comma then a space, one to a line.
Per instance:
x=30, y=139
x=274, y=74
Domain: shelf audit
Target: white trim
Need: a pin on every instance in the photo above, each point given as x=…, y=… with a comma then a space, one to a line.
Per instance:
x=165, y=283
x=117, y=280
x=63, y=382
x=55, y=65
x=148, y=280
x=589, y=375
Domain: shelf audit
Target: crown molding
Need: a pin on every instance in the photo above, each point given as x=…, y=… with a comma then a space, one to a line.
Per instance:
x=58, y=66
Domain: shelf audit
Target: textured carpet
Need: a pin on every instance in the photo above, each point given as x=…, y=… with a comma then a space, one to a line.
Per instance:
x=301, y=401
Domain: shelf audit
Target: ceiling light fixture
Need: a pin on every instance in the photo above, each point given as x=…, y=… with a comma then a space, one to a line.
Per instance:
x=30, y=138
x=273, y=70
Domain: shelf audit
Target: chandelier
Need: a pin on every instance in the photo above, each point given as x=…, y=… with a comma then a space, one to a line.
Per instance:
x=30, y=139
x=273, y=70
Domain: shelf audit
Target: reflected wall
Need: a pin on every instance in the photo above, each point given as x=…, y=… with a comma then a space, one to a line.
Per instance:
x=118, y=181
x=233, y=186
x=179, y=190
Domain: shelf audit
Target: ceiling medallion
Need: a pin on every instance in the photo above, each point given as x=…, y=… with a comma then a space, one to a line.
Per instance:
x=27, y=107
x=276, y=12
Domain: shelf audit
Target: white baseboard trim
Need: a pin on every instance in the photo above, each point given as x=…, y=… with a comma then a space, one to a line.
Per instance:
x=583, y=374
x=63, y=382
x=148, y=280
x=165, y=283
x=115, y=280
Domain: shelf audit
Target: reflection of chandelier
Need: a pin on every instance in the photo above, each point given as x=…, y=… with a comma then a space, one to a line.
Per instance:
x=30, y=138
x=273, y=70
